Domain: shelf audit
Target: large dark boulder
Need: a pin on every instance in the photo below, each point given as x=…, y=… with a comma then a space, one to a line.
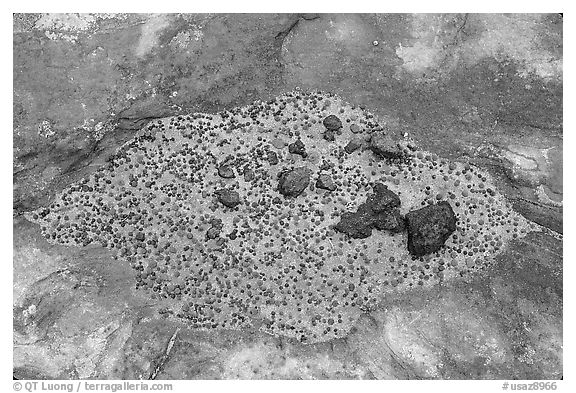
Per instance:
x=429, y=228
x=291, y=183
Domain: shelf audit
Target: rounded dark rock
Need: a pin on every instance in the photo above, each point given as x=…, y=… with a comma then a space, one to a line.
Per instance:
x=357, y=225
x=390, y=220
x=429, y=228
x=291, y=183
x=382, y=198
x=273, y=158
x=329, y=135
x=213, y=233
x=355, y=129
x=332, y=123
x=385, y=146
x=353, y=145
x=226, y=172
x=325, y=182
x=228, y=198
x=249, y=174
x=297, y=148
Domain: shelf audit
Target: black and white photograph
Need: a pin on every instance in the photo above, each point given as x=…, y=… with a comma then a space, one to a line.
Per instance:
x=286, y=196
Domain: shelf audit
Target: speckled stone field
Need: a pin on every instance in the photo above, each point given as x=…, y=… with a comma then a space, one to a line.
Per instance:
x=288, y=196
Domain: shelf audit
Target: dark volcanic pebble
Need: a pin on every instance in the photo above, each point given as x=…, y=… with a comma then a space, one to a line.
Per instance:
x=273, y=158
x=384, y=146
x=212, y=233
x=325, y=182
x=429, y=228
x=249, y=174
x=357, y=224
x=297, y=148
x=225, y=171
x=353, y=145
x=332, y=123
x=228, y=198
x=291, y=183
x=355, y=129
x=330, y=136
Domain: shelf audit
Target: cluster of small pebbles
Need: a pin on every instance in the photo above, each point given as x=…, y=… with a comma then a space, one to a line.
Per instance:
x=239, y=218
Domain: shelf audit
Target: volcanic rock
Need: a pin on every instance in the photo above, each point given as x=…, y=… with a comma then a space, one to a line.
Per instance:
x=297, y=148
x=330, y=136
x=273, y=158
x=391, y=221
x=353, y=145
x=384, y=146
x=355, y=129
x=382, y=199
x=325, y=182
x=228, y=198
x=429, y=228
x=212, y=233
x=226, y=172
x=291, y=183
x=357, y=224
x=332, y=123
x=380, y=211
x=249, y=174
